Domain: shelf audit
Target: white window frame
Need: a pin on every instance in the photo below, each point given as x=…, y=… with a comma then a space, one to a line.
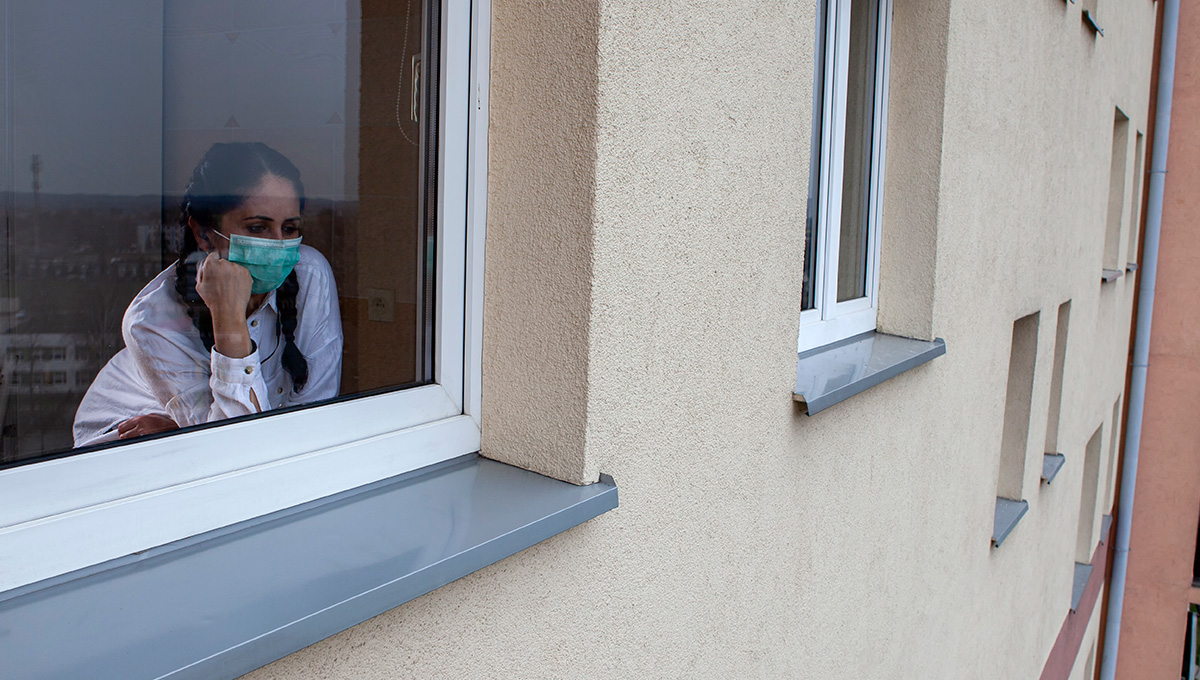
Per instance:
x=829, y=320
x=78, y=511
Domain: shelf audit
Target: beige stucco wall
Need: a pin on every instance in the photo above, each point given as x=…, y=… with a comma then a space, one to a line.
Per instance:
x=643, y=281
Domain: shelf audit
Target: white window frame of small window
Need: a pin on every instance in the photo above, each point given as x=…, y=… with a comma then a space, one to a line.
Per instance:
x=829, y=320
x=79, y=511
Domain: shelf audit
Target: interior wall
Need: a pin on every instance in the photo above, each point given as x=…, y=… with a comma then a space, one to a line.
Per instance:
x=382, y=239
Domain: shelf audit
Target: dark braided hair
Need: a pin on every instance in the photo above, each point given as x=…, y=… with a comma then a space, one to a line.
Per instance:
x=221, y=182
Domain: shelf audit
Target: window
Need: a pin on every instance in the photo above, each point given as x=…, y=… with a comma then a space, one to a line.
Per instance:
x=1086, y=532
x=1135, y=205
x=1116, y=194
x=841, y=251
x=1014, y=441
x=381, y=106
x=1056, y=377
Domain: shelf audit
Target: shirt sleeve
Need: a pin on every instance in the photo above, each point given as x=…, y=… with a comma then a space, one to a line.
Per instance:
x=226, y=394
x=192, y=385
x=233, y=382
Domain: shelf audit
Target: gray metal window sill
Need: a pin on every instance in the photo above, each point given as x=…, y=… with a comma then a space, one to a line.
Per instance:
x=1131, y=267
x=833, y=373
x=222, y=604
x=1051, y=464
x=1008, y=513
x=1110, y=275
x=1091, y=22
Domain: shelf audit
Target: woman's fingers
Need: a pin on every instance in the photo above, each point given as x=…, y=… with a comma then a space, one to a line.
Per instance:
x=138, y=426
x=223, y=285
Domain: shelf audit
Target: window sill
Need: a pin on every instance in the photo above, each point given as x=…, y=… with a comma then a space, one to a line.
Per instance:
x=1131, y=267
x=1091, y=22
x=222, y=604
x=833, y=373
x=1051, y=464
x=1110, y=275
x=1008, y=513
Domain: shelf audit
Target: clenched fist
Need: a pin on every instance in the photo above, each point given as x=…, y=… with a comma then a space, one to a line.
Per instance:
x=224, y=285
x=225, y=288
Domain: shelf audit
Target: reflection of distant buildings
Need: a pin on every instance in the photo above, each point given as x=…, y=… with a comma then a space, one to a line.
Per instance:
x=42, y=378
x=73, y=264
x=48, y=363
x=140, y=269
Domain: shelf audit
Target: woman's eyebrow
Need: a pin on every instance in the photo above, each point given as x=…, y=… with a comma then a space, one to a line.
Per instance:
x=265, y=218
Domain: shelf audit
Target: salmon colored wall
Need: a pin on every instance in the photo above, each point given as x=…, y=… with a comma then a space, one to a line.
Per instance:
x=1167, y=500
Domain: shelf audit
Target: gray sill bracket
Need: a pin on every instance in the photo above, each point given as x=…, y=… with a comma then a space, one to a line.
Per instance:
x=222, y=604
x=1008, y=513
x=838, y=371
x=1051, y=464
x=1083, y=572
x=1131, y=267
x=1091, y=22
x=1110, y=275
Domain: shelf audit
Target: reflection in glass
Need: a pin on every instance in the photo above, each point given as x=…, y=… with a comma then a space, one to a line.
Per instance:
x=808, y=288
x=860, y=127
x=92, y=192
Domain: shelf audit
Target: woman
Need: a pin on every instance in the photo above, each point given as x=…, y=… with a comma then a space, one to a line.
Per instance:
x=246, y=320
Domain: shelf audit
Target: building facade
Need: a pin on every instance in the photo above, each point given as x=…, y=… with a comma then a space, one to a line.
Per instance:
x=932, y=208
x=647, y=180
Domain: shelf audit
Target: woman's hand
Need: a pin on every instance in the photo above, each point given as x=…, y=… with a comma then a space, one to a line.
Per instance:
x=225, y=288
x=145, y=424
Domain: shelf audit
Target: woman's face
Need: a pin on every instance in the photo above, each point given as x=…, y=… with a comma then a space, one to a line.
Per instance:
x=272, y=210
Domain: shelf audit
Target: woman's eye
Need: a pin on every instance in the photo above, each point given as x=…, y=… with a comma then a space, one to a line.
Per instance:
x=256, y=228
x=291, y=230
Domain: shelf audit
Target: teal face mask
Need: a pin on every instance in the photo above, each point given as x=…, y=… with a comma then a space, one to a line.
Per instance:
x=269, y=261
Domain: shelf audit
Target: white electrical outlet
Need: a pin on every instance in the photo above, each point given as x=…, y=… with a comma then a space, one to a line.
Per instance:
x=381, y=305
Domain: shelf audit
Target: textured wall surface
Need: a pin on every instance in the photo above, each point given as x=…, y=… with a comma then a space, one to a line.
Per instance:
x=541, y=183
x=643, y=284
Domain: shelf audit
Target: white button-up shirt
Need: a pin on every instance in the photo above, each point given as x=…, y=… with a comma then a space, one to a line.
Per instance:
x=164, y=368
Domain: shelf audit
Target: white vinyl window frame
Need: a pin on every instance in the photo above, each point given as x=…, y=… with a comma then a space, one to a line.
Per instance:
x=75, y=512
x=829, y=320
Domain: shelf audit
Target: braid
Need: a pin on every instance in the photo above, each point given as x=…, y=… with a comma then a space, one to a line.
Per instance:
x=185, y=282
x=293, y=359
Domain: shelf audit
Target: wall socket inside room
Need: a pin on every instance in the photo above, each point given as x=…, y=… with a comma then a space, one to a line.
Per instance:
x=381, y=305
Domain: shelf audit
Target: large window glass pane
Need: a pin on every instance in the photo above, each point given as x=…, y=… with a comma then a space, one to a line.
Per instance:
x=139, y=133
x=860, y=127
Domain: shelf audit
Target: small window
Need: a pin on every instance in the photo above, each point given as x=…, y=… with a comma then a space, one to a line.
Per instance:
x=1056, y=377
x=1116, y=193
x=1086, y=533
x=841, y=250
x=1014, y=442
